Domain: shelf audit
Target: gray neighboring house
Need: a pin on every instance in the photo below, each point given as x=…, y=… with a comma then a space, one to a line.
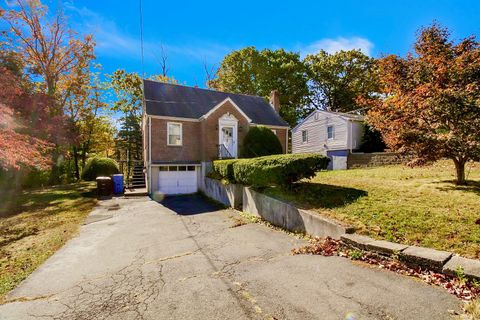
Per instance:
x=333, y=134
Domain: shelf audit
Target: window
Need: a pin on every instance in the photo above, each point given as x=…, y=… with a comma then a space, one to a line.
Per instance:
x=330, y=132
x=174, y=134
x=304, y=136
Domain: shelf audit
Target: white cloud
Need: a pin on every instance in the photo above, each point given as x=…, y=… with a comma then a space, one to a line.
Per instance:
x=112, y=41
x=338, y=44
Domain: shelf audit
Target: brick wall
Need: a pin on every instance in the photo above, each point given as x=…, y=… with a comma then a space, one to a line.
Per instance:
x=200, y=139
x=189, y=151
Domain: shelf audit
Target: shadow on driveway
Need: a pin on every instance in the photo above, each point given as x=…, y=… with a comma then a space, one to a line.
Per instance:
x=189, y=204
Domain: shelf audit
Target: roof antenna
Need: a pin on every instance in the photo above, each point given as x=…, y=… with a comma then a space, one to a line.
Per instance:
x=141, y=39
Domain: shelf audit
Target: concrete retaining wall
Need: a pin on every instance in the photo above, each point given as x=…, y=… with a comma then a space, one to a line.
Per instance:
x=376, y=159
x=289, y=217
x=229, y=194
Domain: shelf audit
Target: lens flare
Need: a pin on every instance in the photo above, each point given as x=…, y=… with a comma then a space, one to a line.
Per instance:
x=350, y=316
x=158, y=196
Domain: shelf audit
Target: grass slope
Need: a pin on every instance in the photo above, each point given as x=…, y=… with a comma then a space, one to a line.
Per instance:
x=37, y=223
x=416, y=206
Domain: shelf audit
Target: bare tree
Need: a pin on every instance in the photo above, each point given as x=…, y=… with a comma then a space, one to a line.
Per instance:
x=210, y=72
x=162, y=60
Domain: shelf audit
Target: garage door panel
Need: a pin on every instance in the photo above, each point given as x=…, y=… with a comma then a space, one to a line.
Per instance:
x=177, y=182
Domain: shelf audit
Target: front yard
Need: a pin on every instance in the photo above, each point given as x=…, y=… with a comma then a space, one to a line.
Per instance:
x=419, y=206
x=37, y=223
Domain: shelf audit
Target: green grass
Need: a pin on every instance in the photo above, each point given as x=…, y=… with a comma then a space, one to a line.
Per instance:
x=416, y=206
x=35, y=224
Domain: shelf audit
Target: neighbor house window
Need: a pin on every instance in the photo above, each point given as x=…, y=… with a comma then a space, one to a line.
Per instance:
x=330, y=132
x=304, y=136
x=174, y=134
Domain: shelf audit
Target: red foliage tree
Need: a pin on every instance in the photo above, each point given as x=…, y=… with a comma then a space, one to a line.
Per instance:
x=430, y=101
x=27, y=129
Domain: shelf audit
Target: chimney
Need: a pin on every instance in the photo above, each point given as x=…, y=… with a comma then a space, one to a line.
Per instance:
x=275, y=100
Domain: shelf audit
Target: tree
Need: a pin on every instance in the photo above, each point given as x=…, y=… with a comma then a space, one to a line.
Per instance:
x=430, y=102
x=24, y=131
x=52, y=52
x=254, y=72
x=336, y=80
x=49, y=47
x=127, y=100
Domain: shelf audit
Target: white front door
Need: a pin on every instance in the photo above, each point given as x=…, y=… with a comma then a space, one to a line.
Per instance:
x=177, y=180
x=227, y=134
x=227, y=140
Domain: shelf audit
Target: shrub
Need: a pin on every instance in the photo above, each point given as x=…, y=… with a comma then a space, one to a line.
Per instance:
x=224, y=168
x=260, y=141
x=99, y=166
x=281, y=170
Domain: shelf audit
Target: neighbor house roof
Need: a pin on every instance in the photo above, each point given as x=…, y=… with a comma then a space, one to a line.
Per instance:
x=346, y=116
x=172, y=100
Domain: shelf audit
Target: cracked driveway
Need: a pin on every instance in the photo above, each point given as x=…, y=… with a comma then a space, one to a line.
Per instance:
x=136, y=259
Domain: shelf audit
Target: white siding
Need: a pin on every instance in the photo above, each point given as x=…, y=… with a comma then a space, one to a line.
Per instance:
x=356, y=134
x=317, y=133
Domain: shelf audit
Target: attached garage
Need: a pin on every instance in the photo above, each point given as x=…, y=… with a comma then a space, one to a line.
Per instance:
x=177, y=179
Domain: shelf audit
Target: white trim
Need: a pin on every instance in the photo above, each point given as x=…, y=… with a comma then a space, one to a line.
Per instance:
x=333, y=132
x=181, y=134
x=306, y=136
x=174, y=118
x=228, y=99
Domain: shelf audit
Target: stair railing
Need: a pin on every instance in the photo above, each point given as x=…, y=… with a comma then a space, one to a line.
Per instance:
x=223, y=152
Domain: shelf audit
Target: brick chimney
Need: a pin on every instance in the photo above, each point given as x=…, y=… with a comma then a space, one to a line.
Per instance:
x=275, y=100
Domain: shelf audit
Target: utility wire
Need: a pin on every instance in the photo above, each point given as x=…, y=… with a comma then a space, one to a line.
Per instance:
x=141, y=38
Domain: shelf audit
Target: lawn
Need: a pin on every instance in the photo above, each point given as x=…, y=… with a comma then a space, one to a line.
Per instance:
x=415, y=206
x=35, y=224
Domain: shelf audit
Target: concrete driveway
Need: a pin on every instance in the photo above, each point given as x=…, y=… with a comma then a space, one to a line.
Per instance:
x=137, y=259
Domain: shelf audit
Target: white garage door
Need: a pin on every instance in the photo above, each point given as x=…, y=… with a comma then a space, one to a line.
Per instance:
x=177, y=180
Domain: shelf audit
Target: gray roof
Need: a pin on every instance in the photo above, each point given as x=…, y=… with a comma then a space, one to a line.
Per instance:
x=172, y=100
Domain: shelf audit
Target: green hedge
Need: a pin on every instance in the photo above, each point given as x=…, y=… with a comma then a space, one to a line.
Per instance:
x=260, y=141
x=281, y=170
x=224, y=168
x=99, y=166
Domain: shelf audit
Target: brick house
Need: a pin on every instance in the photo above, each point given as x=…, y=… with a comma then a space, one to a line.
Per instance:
x=185, y=128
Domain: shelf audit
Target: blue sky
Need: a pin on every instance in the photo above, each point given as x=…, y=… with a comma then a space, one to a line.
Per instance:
x=194, y=32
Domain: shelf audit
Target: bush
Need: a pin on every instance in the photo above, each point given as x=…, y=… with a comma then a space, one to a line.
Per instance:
x=260, y=141
x=98, y=166
x=224, y=168
x=36, y=178
x=281, y=170
x=372, y=141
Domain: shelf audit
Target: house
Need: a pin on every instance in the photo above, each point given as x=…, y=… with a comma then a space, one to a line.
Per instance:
x=333, y=134
x=185, y=128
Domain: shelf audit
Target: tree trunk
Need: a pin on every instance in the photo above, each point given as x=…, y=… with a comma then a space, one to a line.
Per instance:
x=460, y=170
x=75, y=159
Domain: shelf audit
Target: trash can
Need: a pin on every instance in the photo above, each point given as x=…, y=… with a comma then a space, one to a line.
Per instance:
x=117, y=180
x=104, y=186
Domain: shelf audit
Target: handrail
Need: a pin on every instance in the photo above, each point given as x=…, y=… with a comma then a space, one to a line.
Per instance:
x=223, y=152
